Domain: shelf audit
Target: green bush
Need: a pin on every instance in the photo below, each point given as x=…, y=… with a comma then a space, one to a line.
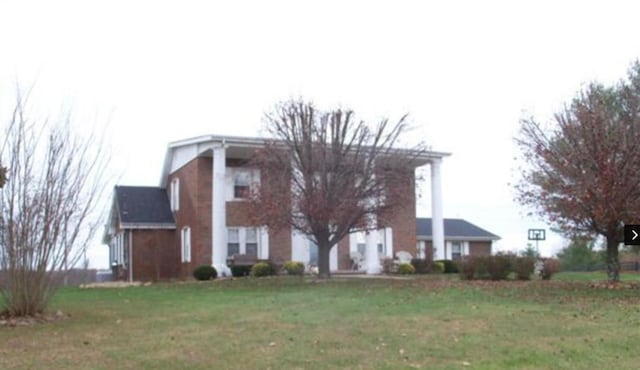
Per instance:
x=523, y=267
x=422, y=266
x=438, y=267
x=261, y=269
x=550, y=266
x=293, y=268
x=406, y=269
x=499, y=266
x=205, y=272
x=450, y=267
x=240, y=270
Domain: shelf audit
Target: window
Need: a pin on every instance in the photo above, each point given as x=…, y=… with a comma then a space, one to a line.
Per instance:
x=175, y=194
x=361, y=245
x=186, y=244
x=241, y=182
x=456, y=250
x=243, y=240
x=233, y=242
x=251, y=238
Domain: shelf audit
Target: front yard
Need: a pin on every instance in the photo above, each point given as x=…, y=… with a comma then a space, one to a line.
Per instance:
x=344, y=323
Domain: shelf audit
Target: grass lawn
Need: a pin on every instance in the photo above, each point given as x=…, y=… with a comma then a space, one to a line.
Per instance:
x=345, y=323
x=594, y=276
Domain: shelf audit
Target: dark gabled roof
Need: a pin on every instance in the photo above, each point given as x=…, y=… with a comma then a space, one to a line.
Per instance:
x=143, y=205
x=454, y=228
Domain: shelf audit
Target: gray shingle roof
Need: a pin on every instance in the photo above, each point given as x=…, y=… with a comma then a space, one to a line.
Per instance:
x=454, y=228
x=143, y=205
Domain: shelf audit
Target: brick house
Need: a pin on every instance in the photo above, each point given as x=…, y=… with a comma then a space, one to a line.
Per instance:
x=198, y=215
x=461, y=238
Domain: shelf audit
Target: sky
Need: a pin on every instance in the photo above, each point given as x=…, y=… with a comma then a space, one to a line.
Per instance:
x=150, y=72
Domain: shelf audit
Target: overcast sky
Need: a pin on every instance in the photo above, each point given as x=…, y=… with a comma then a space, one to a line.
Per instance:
x=465, y=71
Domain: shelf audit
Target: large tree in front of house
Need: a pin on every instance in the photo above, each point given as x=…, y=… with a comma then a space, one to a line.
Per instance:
x=583, y=172
x=337, y=174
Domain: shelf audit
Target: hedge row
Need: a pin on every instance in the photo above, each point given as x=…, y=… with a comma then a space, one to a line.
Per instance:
x=501, y=265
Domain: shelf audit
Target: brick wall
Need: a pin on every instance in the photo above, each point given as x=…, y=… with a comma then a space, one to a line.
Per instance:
x=402, y=219
x=194, y=212
x=344, y=258
x=480, y=248
x=155, y=253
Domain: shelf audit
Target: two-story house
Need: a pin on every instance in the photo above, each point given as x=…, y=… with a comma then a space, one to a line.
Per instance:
x=198, y=215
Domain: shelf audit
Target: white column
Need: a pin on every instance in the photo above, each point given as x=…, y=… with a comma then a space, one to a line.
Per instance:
x=219, y=213
x=372, y=259
x=437, y=222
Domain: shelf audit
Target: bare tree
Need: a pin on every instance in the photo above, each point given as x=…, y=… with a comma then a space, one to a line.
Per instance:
x=583, y=174
x=54, y=181
x=334, y=174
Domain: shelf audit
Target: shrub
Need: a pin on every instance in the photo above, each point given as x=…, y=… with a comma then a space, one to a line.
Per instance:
x=205, y=272
x=240, y=270
x=523, y=267
x=294, y=268
x=449, y=266
x=467, y=268
x=422, y=266
x=476, y=267
x=499, y=266
x=438, y=267
x=550, y=266
x=406, y=269
x=261, y=269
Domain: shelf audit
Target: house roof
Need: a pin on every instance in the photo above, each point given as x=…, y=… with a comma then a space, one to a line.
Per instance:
x=454, y=229
x=143, y=207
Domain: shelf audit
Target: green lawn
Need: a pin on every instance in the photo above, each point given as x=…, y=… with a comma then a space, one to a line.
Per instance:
x=594, y=276
x=345, y=323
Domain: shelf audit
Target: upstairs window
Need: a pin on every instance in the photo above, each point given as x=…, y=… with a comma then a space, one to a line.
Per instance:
x=175, y=194
x=241, y=184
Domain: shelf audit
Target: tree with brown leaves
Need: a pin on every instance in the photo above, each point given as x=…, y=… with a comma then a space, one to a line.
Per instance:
x=333, y=173
x=584, y=173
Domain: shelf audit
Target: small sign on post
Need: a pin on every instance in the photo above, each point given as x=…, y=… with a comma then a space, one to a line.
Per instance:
x=537, y=235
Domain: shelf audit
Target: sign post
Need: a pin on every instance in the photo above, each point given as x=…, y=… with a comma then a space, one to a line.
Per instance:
x=537, y=235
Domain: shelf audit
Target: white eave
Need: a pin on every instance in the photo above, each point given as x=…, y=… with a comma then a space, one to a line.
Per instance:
x=207, y=142
x=144, y=225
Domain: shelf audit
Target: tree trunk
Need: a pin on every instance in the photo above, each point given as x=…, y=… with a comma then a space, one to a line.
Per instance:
x=613, y=264
x=323, y=261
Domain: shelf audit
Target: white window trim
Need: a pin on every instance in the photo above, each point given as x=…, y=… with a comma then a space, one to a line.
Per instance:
x=359, y=237
x=175, y=194
x=242, y=240
x=186, y=244
x=231, y=172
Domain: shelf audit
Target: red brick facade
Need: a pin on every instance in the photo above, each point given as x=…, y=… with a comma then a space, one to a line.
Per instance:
x=194, y=211
x=157, y=253
x=480, y=248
